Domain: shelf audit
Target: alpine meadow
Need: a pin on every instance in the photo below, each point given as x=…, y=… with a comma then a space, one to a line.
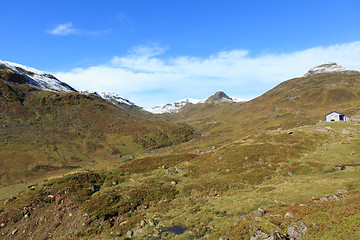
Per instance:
x=180, y=120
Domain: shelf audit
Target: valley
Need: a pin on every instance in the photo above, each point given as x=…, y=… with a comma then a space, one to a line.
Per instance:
x=76, y=165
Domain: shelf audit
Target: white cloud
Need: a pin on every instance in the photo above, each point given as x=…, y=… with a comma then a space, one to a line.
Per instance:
x=148, y=79
x=68, y=29
x=63, y=29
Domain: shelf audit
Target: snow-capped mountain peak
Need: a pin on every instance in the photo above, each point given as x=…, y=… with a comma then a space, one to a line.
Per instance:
x=175, y=107
x=37, y=78
x=48, y=82
x=326, y=68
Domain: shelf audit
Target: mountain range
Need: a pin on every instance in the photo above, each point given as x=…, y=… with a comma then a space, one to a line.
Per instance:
x=93, y=165
x=48, y=82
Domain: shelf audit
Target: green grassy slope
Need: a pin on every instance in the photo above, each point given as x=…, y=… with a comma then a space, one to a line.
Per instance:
x=215, y=194
x=261, y=168
x=296, y=102
x=43, y=132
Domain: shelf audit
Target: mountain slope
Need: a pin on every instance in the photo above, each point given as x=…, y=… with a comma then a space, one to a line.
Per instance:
x=263, y=184
x=21, y=74
x=256, y=181
x=299, y=101
x=46, y=132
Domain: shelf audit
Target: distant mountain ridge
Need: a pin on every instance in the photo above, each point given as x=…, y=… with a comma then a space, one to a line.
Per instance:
x=18, y=73
x=175, y=107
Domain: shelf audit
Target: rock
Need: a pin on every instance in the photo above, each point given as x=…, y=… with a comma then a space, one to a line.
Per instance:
x=333, y=198
x=289, y=214
x=2, y=225
x=138, y=232
x=345, y=131
x=115, y=182
x=339, y=167
x=260, y=235
x=341, y=191
x=297, y=230
x=14, y=232
x=129, y=234
x=26, y=216
x=173, y=182
x=156, y=233
x=152, y=223
x=173, y=171
x=223, y=238
x=260, y=211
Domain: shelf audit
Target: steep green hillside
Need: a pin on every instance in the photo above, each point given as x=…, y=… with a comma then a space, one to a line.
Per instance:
x=44, y=132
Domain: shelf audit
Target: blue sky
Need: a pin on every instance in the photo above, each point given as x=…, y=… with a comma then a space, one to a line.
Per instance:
x=154, y=52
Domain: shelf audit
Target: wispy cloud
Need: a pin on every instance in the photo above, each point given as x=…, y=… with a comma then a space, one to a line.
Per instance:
x=123, y=18
x=147, y=78
x=63, y=29
x=68, y=29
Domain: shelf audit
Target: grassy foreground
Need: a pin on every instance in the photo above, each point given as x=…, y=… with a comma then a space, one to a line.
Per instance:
x=275, y=182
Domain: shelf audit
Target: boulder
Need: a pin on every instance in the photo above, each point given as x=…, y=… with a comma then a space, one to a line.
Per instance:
x=129, y=234
x=260, y=235
x=260, y=211
x=289, y=214
x=275, y=235
x=152, y=223
x=297, y=230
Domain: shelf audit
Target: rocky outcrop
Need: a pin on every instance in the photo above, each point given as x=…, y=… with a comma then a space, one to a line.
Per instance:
x=297, y=230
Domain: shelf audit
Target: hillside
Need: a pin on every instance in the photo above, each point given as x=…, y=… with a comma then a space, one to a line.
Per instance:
x=262, y=169
x=270, y=183
x=296, y=102
x=45, y=131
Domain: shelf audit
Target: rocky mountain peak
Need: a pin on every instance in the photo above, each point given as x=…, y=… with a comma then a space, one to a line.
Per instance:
x=326, y=68
x=219, y=96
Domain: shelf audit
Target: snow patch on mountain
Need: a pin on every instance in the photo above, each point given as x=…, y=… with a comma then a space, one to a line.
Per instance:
x=173, y=107
x=110, y=97
x=38, y=78
x=177, y=106
x=115, y=98
x=326, y=68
